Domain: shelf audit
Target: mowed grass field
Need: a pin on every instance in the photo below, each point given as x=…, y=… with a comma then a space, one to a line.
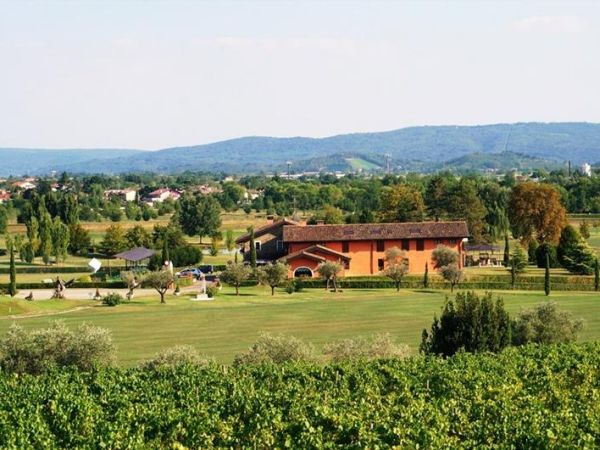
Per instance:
x=230, y=324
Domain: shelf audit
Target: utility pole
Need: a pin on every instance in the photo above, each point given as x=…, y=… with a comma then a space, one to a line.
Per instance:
x=289, y=165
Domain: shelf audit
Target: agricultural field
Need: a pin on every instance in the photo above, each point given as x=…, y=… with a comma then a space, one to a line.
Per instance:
x=228, y=325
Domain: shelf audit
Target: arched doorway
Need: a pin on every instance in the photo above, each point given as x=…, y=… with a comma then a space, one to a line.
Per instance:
x=303, y=272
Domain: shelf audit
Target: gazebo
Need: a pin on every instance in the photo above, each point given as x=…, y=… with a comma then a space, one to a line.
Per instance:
x=136, y=257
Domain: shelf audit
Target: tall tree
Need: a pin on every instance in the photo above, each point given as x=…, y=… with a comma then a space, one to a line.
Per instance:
x=252, y=248
x=536, y=211
x=12, y=287
x=518, y=263
x=60, y=239
x=596, y=275
x=506, y=250
x=426, y=276
x=3, y=219
x=114, y=240
x=402, y=203
x=199, y=216
x=547, y=276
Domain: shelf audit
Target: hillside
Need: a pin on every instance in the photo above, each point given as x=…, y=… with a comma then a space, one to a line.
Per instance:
x=498, y=161
x=412, y=148
x=22, y=161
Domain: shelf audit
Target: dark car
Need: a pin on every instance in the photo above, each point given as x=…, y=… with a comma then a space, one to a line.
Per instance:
x=206, y=268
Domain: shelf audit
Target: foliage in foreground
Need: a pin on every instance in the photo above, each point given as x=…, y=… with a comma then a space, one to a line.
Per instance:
x=526, y=397
x=37, y=351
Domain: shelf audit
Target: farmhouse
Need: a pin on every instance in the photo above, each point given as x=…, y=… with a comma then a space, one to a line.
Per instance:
x=160, y=195
x=128, y=195
x=359, y=247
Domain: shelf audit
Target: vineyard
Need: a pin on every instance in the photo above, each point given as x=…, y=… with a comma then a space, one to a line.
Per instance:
x=531, y=397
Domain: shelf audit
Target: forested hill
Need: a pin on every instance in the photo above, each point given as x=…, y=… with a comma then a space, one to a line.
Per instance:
x=414, y=147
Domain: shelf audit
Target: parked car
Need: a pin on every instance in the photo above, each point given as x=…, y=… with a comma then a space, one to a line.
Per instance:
x=193, y=272
x=206, y=268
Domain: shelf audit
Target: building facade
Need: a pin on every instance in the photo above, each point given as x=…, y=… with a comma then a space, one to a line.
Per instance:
x=360, y=248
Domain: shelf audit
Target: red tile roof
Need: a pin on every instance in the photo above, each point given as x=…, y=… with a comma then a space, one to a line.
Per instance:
x=265, y=229
x=313, y=252
x=369, y=231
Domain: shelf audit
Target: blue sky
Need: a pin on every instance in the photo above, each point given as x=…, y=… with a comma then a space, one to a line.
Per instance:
x=158, y=74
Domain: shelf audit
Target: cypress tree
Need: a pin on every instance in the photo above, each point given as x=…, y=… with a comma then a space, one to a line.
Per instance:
x=252, y=249
x=596, y=275
x=426, y=276
x=165, y=250
x=547, y=276
x=506, y=250
x=12, y=288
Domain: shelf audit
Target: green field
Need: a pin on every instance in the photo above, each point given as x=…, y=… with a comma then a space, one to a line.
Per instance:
x=361, y=164
x=230, y=324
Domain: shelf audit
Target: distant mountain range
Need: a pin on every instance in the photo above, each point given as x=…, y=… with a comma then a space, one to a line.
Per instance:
x=426, y=148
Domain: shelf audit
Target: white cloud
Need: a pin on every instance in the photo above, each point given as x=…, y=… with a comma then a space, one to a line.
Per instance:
x=552, y=24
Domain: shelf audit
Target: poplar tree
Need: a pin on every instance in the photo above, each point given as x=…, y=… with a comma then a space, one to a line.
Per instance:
x=547, y=276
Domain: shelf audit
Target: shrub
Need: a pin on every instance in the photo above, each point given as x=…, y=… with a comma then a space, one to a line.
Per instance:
x=84, y=279
x=373, y=347
x=112, y=299
x=212, y=291
x=471, y=323
x=545, y=324
x=275, y=349
x=176, y=356
x=37, y=351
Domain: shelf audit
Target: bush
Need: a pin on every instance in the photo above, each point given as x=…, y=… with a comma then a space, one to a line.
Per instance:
x=373, y=347
x=545, y=324
x=212, y=291
x=84, y=279
x=470, y=323
x=176, y=356
x=37, y=351
x=112, y=299
x=275, y=349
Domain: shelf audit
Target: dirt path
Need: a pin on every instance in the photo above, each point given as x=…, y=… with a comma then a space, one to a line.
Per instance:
x=44, y=314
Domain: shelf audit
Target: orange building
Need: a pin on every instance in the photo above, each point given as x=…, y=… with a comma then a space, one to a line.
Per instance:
x=361, y=247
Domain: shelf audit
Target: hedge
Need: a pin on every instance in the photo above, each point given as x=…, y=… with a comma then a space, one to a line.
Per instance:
x=59, y=269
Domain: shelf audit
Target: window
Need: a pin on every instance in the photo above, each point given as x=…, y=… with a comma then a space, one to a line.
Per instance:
x=452, y=241
x=380, y=264
x=406, y=263
x=420, y=245
x=406, y=244
x=345, y=247
x=439, y=241
x=280, y=247
x=380, y=245
x=257, y=246
x=346, y=264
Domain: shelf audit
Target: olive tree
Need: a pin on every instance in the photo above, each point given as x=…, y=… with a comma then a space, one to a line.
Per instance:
x=329, y=270
x=272, y=275
x=545, y=324
x=445, y=261
x=396, y=266
x=133, y=281
x=161, y=281
x=234, y=274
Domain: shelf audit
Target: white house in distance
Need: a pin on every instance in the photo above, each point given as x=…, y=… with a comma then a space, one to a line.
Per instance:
x=4, y=196
x=129, y=195
x=25, y=185
x=160, y=195
x=586, y=170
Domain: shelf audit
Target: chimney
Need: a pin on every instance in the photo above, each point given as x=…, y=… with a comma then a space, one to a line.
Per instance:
x=270, y=219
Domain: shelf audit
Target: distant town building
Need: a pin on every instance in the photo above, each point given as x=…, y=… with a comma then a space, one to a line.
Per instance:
x=160, y=195
x=586, y=170
x=129, y=195
x=24, y=185
x=4, y=196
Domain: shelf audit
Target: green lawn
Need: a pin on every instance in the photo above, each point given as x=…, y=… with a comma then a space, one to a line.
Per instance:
x=230, y=324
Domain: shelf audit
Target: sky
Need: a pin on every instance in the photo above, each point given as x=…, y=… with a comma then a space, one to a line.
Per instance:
x=150, y=74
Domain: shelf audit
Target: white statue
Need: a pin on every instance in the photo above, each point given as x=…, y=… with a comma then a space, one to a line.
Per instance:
x=202, y=283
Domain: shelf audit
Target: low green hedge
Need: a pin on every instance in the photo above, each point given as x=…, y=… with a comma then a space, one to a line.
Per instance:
x=76, y=285
x=58, y=269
